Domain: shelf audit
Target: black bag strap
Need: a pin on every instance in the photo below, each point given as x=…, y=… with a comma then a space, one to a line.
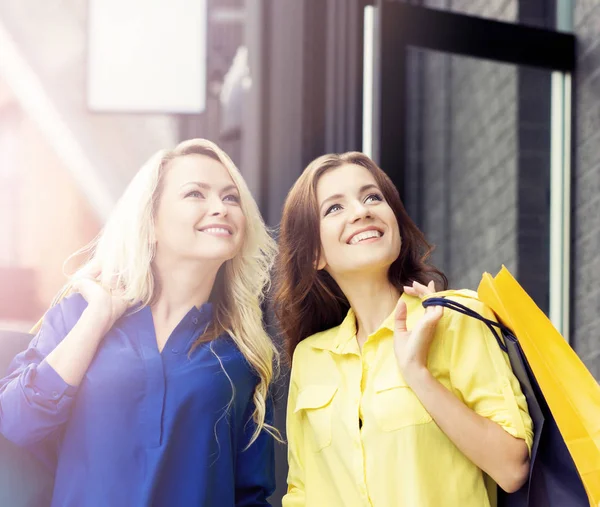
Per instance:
x=492, y=325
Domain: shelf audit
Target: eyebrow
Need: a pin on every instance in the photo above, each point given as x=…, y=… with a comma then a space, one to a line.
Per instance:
x=208, y=187
x=339, y=196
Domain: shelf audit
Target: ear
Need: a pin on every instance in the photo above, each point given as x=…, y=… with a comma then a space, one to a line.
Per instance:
x=321, y=262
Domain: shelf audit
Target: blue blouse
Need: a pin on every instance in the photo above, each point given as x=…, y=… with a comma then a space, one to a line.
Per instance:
x=144, y=428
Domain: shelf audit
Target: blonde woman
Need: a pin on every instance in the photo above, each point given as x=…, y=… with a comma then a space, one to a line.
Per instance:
x=148, y=384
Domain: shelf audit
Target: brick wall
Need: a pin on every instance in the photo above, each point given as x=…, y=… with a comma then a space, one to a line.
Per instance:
x=474, y=226
x=465, y=170
x=586, y=180
x=477, y=179
x=482, y=190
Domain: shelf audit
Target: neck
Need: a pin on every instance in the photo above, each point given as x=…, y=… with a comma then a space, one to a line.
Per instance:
x=373, y=298
x=182, y=286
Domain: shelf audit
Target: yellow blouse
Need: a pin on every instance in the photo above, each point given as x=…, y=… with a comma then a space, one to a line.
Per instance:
x=399, y=457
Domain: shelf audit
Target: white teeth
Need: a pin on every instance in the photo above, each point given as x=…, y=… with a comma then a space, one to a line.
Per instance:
x=216, y=230
x=364, y=235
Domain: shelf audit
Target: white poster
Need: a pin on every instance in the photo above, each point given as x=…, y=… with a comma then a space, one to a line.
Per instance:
x=147, y=56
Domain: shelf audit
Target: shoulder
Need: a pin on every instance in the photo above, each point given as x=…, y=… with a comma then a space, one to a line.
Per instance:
x=66, y=312
x=466, y=335
x=313, y=362
x=72, y=307
x=57, y=322
x=468, y=298
x=315, y=341
x=228, y=353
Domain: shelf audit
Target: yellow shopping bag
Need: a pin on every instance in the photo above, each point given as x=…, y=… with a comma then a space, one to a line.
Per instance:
x=571, y=392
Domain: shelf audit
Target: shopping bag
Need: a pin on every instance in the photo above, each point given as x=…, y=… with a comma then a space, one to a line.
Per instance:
x=570, y=390
x=553, y=478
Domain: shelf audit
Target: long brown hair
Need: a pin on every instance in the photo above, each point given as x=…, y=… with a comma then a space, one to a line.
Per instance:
x=308, y=300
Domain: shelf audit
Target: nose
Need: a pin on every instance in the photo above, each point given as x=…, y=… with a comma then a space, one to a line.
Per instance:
x=359, y=211
x=216, y=206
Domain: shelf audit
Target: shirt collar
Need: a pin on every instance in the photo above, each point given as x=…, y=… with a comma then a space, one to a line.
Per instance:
x=342, y=340
x=196, y=318
x=200, y=316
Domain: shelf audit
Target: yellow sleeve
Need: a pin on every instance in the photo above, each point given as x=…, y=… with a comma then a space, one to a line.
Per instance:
x=295, y=492
x=481, y=375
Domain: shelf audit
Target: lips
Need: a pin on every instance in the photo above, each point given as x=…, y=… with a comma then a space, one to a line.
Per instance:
x=363, y=234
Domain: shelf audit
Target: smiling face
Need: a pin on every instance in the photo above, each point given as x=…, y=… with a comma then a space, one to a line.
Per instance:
x=198, y=216
x=359, y=230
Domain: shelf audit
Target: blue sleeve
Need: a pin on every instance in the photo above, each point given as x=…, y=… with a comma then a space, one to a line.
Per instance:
x=34, y=400
x=255, y=468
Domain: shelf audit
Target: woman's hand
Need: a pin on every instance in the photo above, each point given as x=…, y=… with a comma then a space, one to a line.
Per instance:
x=105, y=302
x=500, y=455
x=73, y=355
x=412, y=347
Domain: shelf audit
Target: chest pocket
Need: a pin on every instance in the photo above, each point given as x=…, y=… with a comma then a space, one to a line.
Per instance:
x=396, y=405
x=316, y=403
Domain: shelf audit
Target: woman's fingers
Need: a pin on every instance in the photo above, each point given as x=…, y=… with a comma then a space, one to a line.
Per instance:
x=432, y=315
x=410, y=291
x=91, y=270
x=401, y=315
x=419, y=290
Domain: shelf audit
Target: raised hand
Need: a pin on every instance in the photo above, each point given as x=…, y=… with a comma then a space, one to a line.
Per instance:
x=412, y=347
x=105, y=301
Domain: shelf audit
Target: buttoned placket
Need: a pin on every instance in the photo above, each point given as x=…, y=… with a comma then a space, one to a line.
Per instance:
x=158, y=363
x=353, y=354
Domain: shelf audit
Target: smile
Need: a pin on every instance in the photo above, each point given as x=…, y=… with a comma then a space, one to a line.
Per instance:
x=217, y=231
x=363, y=236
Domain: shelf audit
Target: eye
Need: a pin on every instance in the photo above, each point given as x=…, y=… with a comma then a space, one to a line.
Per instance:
x=232, y=198
x=332, y=208
x=196, y=194
x=374, y=197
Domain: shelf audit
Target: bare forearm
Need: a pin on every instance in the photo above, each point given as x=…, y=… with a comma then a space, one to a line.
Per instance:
x=72, y=356
x=499, y=454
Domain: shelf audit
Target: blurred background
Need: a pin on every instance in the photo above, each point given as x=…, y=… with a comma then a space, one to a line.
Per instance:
x=485, y=113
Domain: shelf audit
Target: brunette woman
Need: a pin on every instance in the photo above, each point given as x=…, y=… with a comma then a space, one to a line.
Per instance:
x=390, y=405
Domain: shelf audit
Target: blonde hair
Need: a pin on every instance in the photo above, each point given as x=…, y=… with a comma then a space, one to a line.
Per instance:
x=125, y=248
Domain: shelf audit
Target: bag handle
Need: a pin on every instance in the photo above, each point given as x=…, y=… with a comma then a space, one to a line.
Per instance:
x=492, y=325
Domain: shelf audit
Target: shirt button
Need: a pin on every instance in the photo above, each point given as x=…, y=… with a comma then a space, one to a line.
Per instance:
x=195, y=320
x=54, y=394
x=175, y=351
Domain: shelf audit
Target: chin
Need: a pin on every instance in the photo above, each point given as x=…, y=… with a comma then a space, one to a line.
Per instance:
x=216, y=250
x=383, y=259
x=369, y=266
x=210, y=255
